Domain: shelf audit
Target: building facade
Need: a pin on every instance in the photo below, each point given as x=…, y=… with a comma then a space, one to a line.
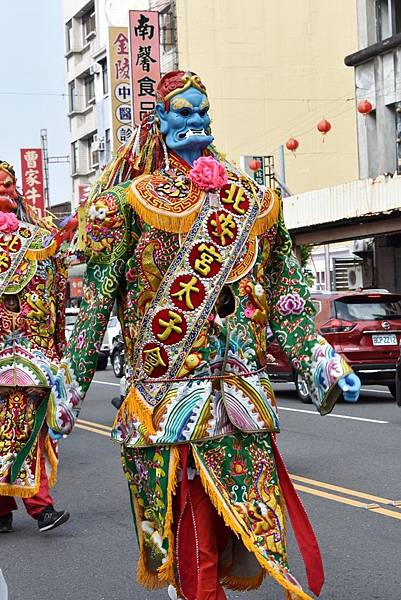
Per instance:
x=88, y=78
x=377, y=65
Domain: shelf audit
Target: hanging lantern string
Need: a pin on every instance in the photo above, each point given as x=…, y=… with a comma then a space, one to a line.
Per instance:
x=312, y=114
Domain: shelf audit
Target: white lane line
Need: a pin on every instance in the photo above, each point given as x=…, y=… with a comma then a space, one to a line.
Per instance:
x=105, y=383
x=375, y=391
x=310, y=412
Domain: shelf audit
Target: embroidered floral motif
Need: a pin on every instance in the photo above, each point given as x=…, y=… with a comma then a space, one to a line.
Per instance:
x=208, y=174
x=8, y=222
x=291, y=304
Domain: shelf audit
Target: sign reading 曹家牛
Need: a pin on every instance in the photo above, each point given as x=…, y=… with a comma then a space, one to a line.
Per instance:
x=32, y=178
x=145, y=61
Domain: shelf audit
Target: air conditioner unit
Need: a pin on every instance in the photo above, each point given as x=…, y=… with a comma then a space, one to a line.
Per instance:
x=95, y=69
x=355, y=277
x=362, y=246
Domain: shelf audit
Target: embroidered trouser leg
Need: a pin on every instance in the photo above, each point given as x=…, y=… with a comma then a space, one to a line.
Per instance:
x=36, y=503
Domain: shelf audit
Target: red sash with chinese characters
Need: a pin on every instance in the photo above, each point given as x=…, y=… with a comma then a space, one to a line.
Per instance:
x=190, y=288
x=13, y=247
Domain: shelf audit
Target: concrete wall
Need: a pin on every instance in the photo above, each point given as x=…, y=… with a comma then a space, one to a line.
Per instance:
x=274, y=69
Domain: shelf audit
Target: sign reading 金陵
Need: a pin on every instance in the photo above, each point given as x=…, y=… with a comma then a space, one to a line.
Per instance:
x=145, y=60
x=32, y=178
x=120, y=86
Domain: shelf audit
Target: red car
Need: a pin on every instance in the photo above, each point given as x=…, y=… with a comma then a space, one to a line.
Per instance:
x=364, y=327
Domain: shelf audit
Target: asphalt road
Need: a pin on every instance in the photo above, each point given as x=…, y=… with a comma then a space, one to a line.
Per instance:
x=346, y=466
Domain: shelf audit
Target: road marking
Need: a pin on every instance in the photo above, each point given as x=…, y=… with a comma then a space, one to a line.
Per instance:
x=97, y=425
x=312, y=412
x=343, y=490
x=104, y=430
x=105, y=382
x=99, y=431
x=383, y=511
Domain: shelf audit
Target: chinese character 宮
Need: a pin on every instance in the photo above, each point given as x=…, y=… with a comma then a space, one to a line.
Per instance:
x=207, y=256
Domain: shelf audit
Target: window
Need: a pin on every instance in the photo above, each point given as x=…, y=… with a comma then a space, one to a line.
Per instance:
x=107, y=144
x=72, y=96
x=167, y=29
x=93, y=152
x=88, y=24
x=75, y=157
x=105, y=77
x=89, y=85
x=68, y=36
x=388, y=18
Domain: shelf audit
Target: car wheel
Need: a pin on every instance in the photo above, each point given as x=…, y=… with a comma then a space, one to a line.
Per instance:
x=117, y=364
x=101, y=363
x=392, y=389
x=302, y=389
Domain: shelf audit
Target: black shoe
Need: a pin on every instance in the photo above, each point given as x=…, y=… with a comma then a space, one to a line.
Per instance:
x=50, y=518
x=6, y=523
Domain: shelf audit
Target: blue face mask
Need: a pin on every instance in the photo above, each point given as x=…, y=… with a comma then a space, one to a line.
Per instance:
x=186, y=126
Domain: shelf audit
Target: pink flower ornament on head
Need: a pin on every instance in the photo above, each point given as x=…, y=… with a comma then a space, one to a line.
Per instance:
x=8, y=222
x=208, y=174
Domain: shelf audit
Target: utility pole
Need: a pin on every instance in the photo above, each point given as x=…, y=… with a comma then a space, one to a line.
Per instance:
x=46, y=161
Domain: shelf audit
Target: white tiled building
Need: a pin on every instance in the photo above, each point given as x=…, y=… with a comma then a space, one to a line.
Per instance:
x=87, y=78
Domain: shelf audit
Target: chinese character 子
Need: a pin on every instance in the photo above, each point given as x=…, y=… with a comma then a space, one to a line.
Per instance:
x=31, y=177
x=222, y=227
x=144, y=58
x=122, y=68
x=5, y=262
x=173, y=324
x=146, y=86
x=121, y=42
x=124, y=113
x=153, y=359
x=33, y=195
x=30, y=158
x=143, y=29
x=207, y=256
x=185, y=292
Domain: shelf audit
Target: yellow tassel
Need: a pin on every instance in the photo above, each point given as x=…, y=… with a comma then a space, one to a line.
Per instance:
x=51, y=455
x=8, y=489
x=269, y=213
x=135, y=407
x=233, y=582
x=166, y=571
x=81, y=234
x=163, y=219
x=241, y=531
x=41, y=253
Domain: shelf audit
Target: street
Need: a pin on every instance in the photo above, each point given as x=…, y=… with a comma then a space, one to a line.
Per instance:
x=346, y=467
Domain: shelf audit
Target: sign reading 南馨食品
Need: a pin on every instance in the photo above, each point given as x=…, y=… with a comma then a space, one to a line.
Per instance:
x=145, y=60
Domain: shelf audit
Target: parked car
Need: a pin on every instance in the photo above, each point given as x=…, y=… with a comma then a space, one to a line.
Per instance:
x=103, y=355
x=364, y=327
x=117, y=356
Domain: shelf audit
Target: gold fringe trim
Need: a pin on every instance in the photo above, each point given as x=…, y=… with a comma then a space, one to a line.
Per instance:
x=53, y=460
x=134, y=406
x=236, y=527
x=166, y=221
x=269, y=213
x=166, y=571
x=9, y=489
x=243, y=584
x=145, y=578
x=41, y=253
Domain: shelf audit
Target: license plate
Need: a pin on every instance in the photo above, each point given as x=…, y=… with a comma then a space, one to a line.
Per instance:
x=384, y=339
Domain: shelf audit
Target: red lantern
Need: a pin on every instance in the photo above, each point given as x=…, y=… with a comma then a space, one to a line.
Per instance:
x=254, y=164
x=364, y=107
x=324, y=126
x=292, y=144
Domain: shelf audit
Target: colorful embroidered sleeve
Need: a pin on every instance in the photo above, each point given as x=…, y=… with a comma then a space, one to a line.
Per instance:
x=108, y=232
x=292, y=321
x=60, y=282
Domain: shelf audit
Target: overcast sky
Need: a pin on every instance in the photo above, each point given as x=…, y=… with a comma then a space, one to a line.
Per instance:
x=32, y=87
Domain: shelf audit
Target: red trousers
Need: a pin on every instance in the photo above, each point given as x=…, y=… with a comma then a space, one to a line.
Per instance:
x=201, y=536
x=37, y=503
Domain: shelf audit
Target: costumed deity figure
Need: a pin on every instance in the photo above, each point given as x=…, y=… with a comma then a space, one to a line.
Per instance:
x=198, y=258
x=32, y=302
